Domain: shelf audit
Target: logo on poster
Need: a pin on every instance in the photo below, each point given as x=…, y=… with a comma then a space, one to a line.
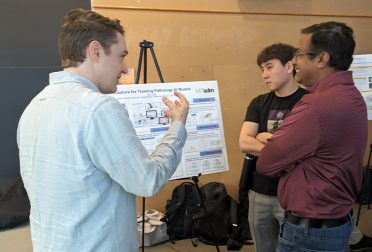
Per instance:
x=204, y=90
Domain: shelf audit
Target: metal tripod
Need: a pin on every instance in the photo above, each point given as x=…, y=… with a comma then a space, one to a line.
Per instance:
x=143, y=55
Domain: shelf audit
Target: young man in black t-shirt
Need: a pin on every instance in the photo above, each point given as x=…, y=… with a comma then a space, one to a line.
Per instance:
x=264, y=115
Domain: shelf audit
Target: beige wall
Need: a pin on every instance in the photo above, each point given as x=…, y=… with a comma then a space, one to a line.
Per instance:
x=203, y=43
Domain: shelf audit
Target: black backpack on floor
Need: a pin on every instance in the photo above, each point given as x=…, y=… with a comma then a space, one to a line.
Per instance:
x=186, y=218
x=219, y=219
x=180, y=211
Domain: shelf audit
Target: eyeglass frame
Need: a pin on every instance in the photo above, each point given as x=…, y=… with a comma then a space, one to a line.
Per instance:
x=299, y=53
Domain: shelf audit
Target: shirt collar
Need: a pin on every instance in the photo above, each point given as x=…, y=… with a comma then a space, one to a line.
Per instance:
x=64, y=76
x=337, y=78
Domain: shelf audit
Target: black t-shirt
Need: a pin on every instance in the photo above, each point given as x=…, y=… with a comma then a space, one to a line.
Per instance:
x=269, y=111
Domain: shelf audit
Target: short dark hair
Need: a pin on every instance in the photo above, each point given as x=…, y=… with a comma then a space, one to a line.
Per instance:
x=79, y=28
x=279, y=51
x=334, y=38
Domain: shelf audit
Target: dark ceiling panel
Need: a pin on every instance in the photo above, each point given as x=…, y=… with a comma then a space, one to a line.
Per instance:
x=29, y=31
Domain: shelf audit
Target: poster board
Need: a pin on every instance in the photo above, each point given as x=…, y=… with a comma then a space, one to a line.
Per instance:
x=362, y=75
x=205, y=149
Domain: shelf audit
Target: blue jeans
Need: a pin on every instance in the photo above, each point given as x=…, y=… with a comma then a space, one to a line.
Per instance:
x=302, y=238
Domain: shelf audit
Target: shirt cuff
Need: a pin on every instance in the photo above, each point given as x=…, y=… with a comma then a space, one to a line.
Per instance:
x=178, y=129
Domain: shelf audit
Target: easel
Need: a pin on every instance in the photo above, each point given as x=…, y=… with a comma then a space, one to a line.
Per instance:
x=143, y=54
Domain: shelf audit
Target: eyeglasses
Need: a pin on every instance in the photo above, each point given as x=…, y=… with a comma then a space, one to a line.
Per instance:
x=299, y=53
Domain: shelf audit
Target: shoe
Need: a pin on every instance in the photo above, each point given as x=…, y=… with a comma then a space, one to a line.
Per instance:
x=365, y=245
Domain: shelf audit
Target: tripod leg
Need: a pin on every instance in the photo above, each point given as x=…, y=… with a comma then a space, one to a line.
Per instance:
x=370, y=186
x=369, y=176
x=139, y=66
x=143, y=224
x=145, y=65
x=156, y=64
x=357, y=220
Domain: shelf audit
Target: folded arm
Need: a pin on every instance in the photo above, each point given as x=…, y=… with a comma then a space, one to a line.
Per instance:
x=250, y=141
x=247, y=139
x=296, y=139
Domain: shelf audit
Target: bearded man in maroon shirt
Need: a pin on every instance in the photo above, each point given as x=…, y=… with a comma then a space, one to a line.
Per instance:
x=318, y=151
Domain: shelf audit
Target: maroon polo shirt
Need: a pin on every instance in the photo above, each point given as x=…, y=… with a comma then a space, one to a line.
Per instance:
x=324, y=139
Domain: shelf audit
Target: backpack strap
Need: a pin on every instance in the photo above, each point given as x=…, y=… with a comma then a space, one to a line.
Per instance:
x=233, y=213
x=234, y=242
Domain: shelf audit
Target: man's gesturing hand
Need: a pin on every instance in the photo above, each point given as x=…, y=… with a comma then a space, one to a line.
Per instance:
x=178, y=110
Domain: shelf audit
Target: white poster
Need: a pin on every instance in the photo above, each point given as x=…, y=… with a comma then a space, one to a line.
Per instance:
x=205, y=149
x=362, y=75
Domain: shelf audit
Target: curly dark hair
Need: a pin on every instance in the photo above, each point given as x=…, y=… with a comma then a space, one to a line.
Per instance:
x=334, y=38
x=79, y=28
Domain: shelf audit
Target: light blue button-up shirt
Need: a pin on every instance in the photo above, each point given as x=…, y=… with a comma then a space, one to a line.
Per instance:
x=82, y=165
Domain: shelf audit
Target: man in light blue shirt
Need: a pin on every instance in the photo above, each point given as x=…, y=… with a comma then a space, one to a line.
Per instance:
x=81, y=161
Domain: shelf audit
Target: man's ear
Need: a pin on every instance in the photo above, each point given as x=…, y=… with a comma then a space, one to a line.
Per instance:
x=93, y=51
x=289, y=67
x=323, y=60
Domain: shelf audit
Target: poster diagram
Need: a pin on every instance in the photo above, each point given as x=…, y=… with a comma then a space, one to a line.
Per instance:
x=205, y=150
x=362, y=75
